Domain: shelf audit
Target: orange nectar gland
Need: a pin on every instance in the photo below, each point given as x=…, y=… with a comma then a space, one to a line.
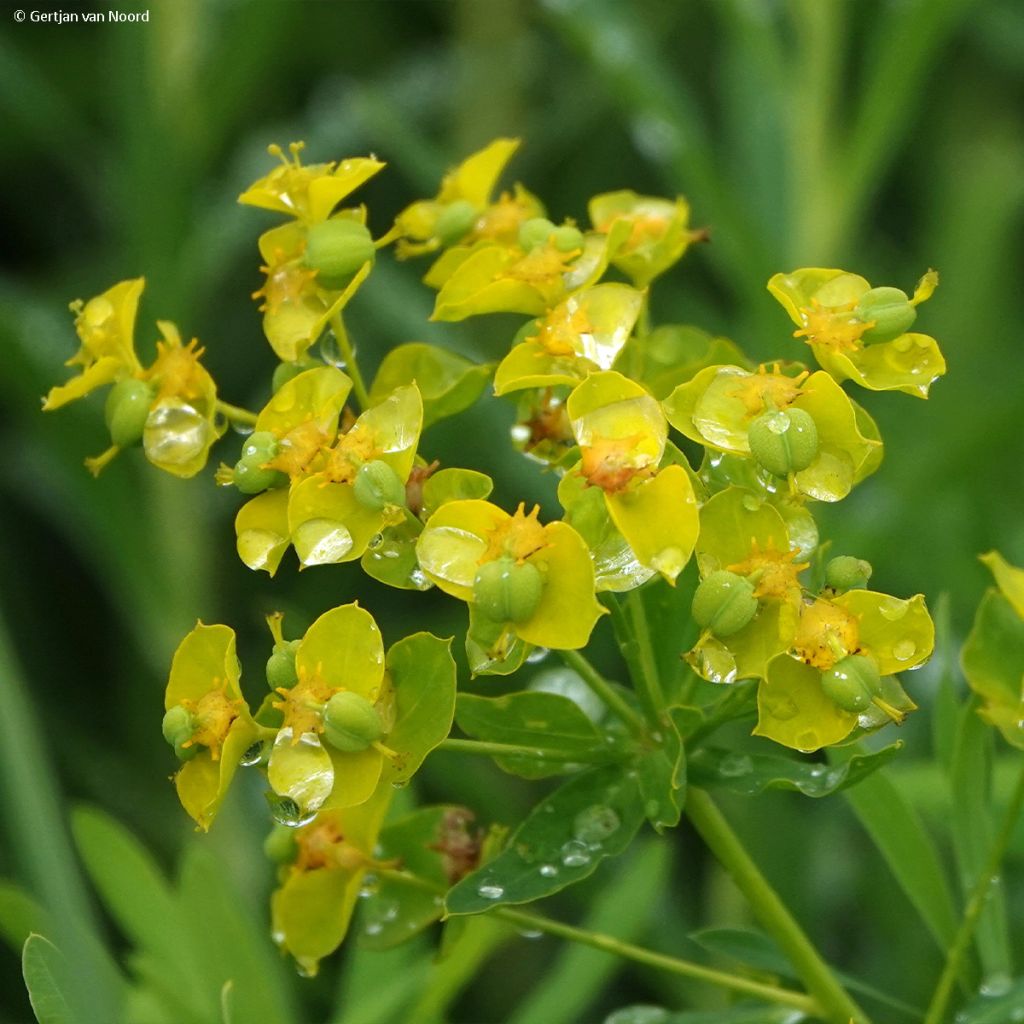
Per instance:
x=501, y=221
x=322, y=845
x=540, y=265
x=212, y=716
x=298, y=448
x=839, y=329
x=825, y=634
x=302, y=707
x=611, y=463
x=773, y=573
x=177, y=371
x=350, y=452
x=763, y=390
x=560, y=328
x=287, y=283
x=518, y=537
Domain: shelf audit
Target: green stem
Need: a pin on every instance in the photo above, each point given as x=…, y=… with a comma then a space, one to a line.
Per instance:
x=604, y=690
x=731, y=706
x=485, y=748
x=236, y=414
x=634, y=640
x=349, y=356
x=686, y=968
x=816, y=975
x=609, y=944
x=975, y=905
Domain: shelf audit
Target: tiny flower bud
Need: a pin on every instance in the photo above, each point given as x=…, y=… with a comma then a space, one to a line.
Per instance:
x=377, y=485
x=455, y=221
x=783, y=441
x=507, y=591
x=891, y=312
x=567, y=238
x=336, y=249
x=535, y=231
x=126, y=411
x=852, y=683
x=351, y=722
x=281, y=673
x=280, y=846
x=844, y=572
x=724, y=603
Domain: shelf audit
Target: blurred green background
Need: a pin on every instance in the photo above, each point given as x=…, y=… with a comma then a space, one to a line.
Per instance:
x=883, y=136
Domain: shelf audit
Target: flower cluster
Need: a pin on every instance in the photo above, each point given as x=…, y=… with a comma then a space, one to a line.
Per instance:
x=671, y=450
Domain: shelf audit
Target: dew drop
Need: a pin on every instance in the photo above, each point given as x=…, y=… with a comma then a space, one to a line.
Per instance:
x=904, y=650
x=996, y=985
x=330, y=351
x=537, y=655
x=286, y=811
x=490, y=892
x=733, y=765
x=893, y=609
x=175, y=433
x=777, y=422
x=781, y=708
x=547, y=870
x=322, y=541
x=595, y=824
x=751, y=502
x=306, y=968
x=373, y=927
x=253, y=755
x=574, y=854
x=530, y=933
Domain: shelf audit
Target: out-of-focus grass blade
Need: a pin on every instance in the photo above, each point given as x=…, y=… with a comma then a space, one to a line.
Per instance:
x=378, y=986
x=908, y=850
x=624, y=908
x=20, y=916
x=971, y=782
x=40, y=847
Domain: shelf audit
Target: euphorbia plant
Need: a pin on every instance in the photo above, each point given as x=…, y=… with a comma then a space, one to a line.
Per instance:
x=671, y=449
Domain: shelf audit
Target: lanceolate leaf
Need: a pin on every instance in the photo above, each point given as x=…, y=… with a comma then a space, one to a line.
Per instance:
x=753, y=773
x=565, y=837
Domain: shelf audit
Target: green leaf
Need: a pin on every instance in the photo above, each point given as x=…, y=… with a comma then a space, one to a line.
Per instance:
x=20, y=916
x=139, y=899
x=528, y=719
x=593, y=816
x=625, y=907
x=908, y=850
x=423, y=675
x=973, y=834
x=448, y=382
x=395, y=912
x=230, y=948
x=753, y=773
x=661, y=774
x=993, y=662
x=46, y=977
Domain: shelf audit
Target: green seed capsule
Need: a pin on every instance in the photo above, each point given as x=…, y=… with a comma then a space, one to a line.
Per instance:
x=377, y=485
x=783, y=441
x=890, y=310
x=535, y=231
x=844, y=572
x=351, y=722
x=852, y=683
x=288, y=371
x=455, y=222
x=178, y=727
x=281, y=672
x=567, y=238
x=127, y=408
x=336, y=249
x=280, y=845
x=724, y=603
x=249, y=475
x=507, y=591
